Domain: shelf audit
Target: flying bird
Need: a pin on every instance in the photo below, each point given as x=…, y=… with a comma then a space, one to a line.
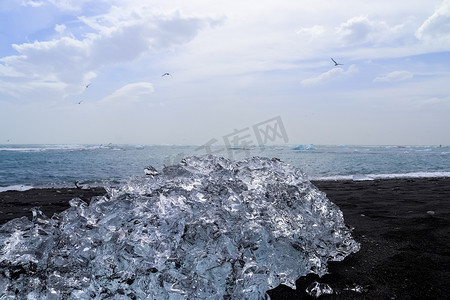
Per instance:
x=166, y=74
x=88, y=85
x=335, y=63
x=80, y=102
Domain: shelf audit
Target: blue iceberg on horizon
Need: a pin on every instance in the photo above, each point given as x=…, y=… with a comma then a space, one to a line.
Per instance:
x=305, y=147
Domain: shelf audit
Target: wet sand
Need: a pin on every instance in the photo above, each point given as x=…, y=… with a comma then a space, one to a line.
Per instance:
x=403, y=226
x=15, y=204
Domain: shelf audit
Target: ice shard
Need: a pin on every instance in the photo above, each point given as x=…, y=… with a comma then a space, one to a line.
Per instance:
x=317, y=289
x=206, y=228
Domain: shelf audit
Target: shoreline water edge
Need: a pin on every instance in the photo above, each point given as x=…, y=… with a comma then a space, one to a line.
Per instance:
x=56, y=166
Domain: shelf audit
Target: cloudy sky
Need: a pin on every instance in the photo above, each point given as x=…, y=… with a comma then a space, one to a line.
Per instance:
x=233, y=64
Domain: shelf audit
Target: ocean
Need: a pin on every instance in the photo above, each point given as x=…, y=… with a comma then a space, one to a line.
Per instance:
x=26, y=166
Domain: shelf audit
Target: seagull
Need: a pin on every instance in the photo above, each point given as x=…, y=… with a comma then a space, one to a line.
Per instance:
x=165, y=74
x=335, y=63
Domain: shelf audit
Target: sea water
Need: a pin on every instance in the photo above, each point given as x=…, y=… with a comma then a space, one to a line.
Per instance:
x=24, y=166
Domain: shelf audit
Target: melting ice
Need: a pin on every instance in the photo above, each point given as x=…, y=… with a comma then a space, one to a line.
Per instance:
x=206, y=228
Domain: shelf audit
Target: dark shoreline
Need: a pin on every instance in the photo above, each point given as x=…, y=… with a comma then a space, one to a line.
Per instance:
x=403, y=226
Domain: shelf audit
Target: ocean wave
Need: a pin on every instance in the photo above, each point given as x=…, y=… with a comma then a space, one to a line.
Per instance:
x=30, y=149
x=364, y=177
x=17, y=187
x=43, y=148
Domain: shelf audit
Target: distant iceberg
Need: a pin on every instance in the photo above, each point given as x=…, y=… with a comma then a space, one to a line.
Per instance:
x=305, y=147
x=206, y=228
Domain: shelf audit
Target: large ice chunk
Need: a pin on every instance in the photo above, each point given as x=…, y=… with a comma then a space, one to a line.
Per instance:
x=206, y=228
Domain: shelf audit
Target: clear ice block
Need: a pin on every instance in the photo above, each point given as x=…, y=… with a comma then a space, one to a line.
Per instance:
x=206, y=228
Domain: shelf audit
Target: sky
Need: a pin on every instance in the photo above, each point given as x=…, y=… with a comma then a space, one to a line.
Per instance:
x=90, y=72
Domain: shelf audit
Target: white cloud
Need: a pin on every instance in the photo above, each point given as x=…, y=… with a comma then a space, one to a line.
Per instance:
x=118, y=37
x=329, y=76
x=441, y=103
x=313, y=31
x=132, y=92
x=356, y=30
x=64, y=5
x=32, y=3
x=60, y=28
x=67, y=4
x=364, y=31
x=437, y=26
x=394, y=76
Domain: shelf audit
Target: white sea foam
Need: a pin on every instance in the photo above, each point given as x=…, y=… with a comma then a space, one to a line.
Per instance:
x=22, y=149
x=18, y=187
x=62, y=147
x=362, y=177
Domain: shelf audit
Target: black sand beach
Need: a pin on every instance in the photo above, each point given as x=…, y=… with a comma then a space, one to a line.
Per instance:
x=403, y=226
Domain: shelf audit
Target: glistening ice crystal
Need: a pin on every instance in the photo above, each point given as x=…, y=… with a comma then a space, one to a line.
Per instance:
x=206, y=228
